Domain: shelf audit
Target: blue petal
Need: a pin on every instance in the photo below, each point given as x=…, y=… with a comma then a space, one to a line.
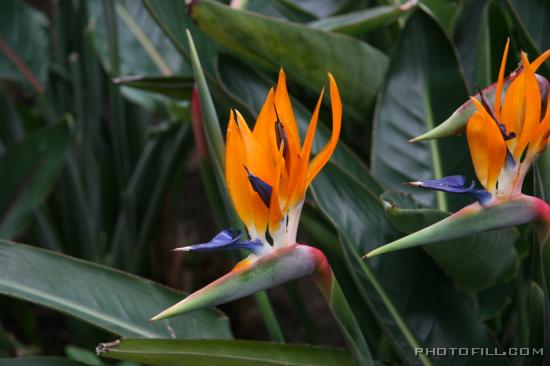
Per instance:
x=481, y=195
x=455, y=184
x=259, y=186
x=226, y=240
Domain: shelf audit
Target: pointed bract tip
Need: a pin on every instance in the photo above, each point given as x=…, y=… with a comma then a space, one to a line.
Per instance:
x=181, y=249
x=160, y=316
x=414, y=184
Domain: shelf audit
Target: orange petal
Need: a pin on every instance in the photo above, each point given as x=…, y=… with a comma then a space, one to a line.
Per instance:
x=513, y=109
x=264, y=129
x=540, y=137
x=275, y=213
x=258, y=159
x=300, y=189
x=540, y=60
x=236, y=179
x=531, y=108
x=500, y=81
x=487, y=146
x=284, y=109
x=323, y=157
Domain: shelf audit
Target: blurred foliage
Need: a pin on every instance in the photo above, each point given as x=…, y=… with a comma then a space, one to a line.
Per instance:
x=99, y=161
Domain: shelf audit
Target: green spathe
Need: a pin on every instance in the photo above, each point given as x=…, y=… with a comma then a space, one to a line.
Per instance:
x=471, y=220
x=280, y=266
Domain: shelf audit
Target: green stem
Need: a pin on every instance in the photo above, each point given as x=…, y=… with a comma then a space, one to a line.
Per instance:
x=395, y=314
x=270, y=319
x=344, y=316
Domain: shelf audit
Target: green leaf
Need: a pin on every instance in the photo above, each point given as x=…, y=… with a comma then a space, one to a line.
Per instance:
x=445, y=11
x=172, y=18
x=28, y=171
x=480, y=36
x=171, y=86
x=364, y=21
x=39, y=360
x=471, y=220
x=536, y=316
x=23, y=44
x=531, y=20
x=109, y=299
x=221, y=353
x=424, y=85
x=545, y=271
x=474, y=262
x=144, y=49
x=414, y=301
x=306, y=54
x=280, y=9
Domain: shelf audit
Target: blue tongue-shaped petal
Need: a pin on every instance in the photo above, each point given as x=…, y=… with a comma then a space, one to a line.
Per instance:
x=226, y=240
x=259, y=186
x=454, y=184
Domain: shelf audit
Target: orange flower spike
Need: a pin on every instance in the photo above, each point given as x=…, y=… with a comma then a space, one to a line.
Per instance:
x=237, y=182
x=263, y=129
x=276, y=215
x=323, y=157
x=306, y=150
x=487, y=146
x=500, y=82
x=259, y=164
x=531, y=108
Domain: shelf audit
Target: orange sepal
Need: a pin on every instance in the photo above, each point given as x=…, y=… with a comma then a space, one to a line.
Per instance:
x=236, y=180
x=323, y=157
x=531, y=109
x=487, y=146
x=500, y=81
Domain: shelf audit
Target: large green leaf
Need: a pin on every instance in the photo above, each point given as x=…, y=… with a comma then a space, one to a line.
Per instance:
x=413, y=299
x=480, y=36
x=445, y=11
x=306, y=54
x=531, y=19
x=424, y=85
x=159, y=352
x=28, y=171
x=474, y=262
x=143, y=47
x=171, y=86
x=23, y=44
x=115, y=301
x=39, y=360
x=360, y=22
x=172, y=18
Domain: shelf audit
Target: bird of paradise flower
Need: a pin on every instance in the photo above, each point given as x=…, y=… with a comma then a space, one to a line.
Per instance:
x=504, y=140
x=267, y=172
